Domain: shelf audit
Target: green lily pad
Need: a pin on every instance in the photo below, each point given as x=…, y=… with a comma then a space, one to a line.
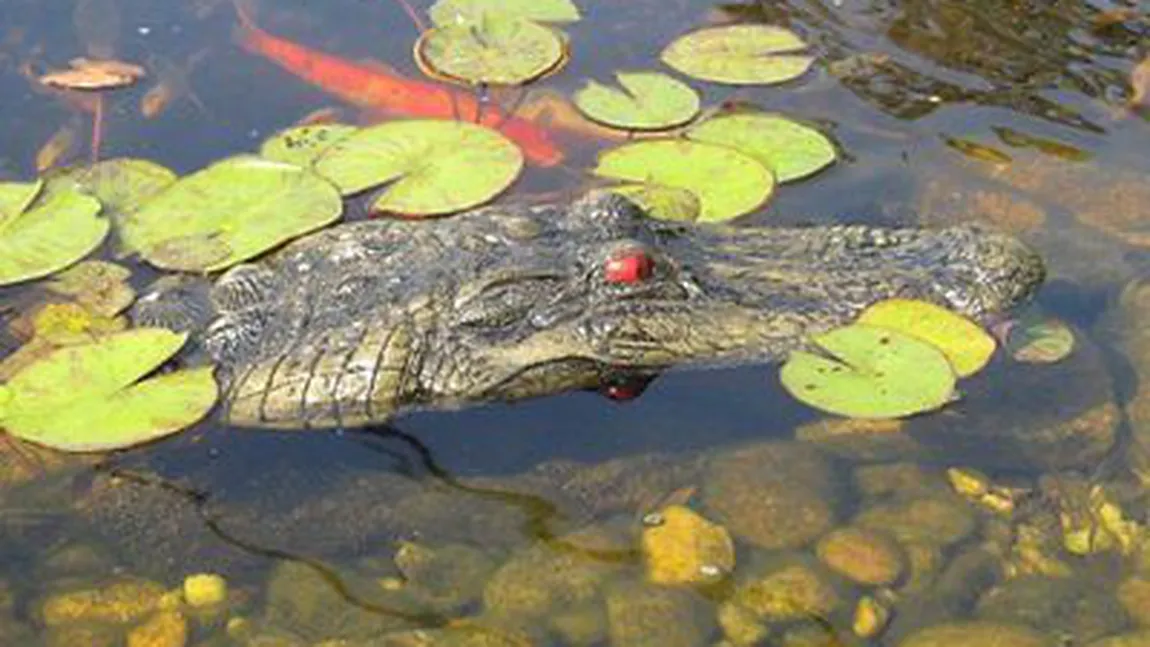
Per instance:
x=303, y=144
x=454, y=12
x=727, y=182
x=434, y=167
x=16, y=197
x=870, y=372
x=790, y=149
x=1040, y=341
x=647, y=101
x=739, y=55
x=85, y=397
x=229, y=212
x=121, y=184
x=60, y=228
x=965, y=343
x=496, y=50
x=663, y=202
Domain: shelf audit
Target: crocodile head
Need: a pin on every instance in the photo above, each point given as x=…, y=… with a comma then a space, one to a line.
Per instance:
x=606, y=290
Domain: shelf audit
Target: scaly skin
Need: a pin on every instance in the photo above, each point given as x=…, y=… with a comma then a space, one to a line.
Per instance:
x=353, y=324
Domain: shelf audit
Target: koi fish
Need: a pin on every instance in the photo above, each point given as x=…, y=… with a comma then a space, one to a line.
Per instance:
x=376, y=87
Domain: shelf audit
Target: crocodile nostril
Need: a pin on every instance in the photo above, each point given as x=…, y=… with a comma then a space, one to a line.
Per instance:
x=628, y=266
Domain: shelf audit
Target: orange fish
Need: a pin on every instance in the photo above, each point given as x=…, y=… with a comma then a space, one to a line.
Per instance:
x=374, y=86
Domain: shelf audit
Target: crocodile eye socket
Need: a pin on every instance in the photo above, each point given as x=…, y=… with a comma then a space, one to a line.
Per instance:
x=628, y=266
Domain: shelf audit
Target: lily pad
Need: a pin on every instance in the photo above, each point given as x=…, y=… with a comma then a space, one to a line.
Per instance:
x=496, y=50
x=434, y=167
x=1040, y=341
x=301, y=145
x=870, y=372
x=965, y=343
x=99, y=286
x=454, y=12
x=59, y=229
x=663, y=202
x=739, y=55
x=85, y=397
x=646, y=101
x=16, y=197
x=790, y=149
x=121, y=185
x=229, y=212
x=727, y=183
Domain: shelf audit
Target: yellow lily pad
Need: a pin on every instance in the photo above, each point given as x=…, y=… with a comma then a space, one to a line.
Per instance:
x=965, y=343
x=495, y=49
x=739, y=55
x=434, y=167
x=85, y=397
x=869, y=372
x=121, y=184
x=644, y=101
x=59, y=228
x=790, y=149
x=727, y=183
x=246, y=205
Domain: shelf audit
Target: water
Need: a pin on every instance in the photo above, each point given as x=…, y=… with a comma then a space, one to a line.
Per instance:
x=910, y=91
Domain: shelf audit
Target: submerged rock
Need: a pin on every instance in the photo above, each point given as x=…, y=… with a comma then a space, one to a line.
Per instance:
x=772, y=495
x=866, y=556
x=1063, y=606
x=646, y=615
x=977, y=634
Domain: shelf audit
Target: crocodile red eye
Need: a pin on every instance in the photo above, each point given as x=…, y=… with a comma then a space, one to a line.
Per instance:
x=630, y=266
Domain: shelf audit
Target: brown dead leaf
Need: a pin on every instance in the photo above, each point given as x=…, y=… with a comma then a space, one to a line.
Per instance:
x=90, y=74
x=1140, y=83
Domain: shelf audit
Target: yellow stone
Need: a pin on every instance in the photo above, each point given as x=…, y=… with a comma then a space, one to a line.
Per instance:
x=164, y=629
x=871, y=617
x=968, y=482
x=205, y=590
x=682, y=547
x=119, y=603
x=740, y=625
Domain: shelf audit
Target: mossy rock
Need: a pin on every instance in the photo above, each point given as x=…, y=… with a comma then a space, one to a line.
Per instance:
x=645, y=615
x=1065, y=606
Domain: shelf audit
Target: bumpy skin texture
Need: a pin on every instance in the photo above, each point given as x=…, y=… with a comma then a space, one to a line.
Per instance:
x=353, y=324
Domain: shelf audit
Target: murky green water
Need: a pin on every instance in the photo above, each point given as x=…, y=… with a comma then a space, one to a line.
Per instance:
x=547, y=522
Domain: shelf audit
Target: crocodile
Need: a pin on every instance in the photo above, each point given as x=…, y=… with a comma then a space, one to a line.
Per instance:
x=351, y=325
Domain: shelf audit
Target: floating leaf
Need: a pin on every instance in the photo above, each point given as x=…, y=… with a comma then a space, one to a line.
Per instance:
x=1040, y=341
x=121, y=184
x=435, y=167
x=727, y=183
x=739, y=54
x=16, y=197
x=790, y=149
x=301, y=145
x=870, y=372
x=59, y=229
x=647, y=101
x=495, y=50
x=663, y=202
x=84, y=397
x=245, y=204
x=92, y=74
x=63, y=324
x=455, y=12
x=965, y=343
x=99, y=286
